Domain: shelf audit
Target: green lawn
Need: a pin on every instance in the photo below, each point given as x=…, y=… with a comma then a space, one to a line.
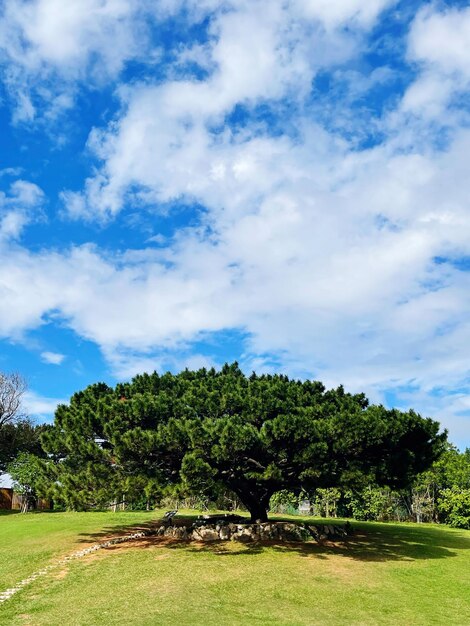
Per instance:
x=27, y=542
x=398, y=574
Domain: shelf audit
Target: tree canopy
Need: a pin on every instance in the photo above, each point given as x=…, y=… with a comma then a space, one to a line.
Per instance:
x=25, y=471
x=22, y=436
x=254, y=435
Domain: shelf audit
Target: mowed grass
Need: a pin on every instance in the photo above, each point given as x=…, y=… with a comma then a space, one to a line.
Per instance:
x=398, y=574
x=27, y=542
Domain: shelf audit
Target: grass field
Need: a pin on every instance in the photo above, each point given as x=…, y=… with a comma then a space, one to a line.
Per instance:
x=398, y=574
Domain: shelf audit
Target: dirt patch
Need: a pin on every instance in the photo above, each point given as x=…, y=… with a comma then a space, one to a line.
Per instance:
x=61, y=574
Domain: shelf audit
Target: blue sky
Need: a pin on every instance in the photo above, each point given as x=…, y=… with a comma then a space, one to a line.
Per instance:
x=282, y=182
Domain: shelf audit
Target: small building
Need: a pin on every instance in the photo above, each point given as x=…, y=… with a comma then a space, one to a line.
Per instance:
x=6, y=492
x=11, y=501
x=6, y=498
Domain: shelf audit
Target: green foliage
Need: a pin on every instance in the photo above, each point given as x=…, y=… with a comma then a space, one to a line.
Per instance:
x=455, y=505
x=433, y=491
x=284, y=502
x=371, y=503
x=198, y=476
x=325, y=502
x=25, y=471
x=205, y=431
x=22, y=436
x=436, y=495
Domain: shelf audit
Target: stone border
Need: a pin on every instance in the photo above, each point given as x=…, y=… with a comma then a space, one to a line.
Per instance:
x=224, y=530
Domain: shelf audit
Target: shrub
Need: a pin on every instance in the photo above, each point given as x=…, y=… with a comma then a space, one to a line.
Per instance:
x=455, y=506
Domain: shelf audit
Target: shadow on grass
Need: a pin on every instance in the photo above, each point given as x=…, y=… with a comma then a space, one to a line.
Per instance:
x=371, y=542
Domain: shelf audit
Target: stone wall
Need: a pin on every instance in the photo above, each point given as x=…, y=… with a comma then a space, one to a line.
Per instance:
x=267, y=531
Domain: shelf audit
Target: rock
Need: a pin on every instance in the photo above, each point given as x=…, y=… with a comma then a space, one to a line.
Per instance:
x=205, y=534
x=244, y=533
x=312, y=531
x=224, y=533
x=293, y=532
x=268, y=531
x=176, y=532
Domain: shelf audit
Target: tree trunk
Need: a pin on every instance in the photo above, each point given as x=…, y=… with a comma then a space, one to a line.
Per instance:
x=255, y=500
x=258, y=512
x=257, y=506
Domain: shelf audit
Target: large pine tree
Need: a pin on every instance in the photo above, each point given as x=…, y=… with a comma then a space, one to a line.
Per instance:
x=255, y=435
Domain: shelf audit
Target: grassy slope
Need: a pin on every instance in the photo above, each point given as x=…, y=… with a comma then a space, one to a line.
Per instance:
x=28, y=542
x=386, y=574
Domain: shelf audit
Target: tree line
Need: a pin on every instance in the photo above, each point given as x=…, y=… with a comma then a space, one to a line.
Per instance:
x=439, y=495
x=212, y=435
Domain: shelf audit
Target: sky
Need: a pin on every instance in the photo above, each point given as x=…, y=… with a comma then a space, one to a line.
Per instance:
x=285, y=183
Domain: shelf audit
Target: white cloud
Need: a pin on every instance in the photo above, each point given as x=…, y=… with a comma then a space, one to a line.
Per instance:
x=6, y=481
x=331, y=269
x=20, y=206
x=12, y=224
x=127, y=363
x=438, y=44
x=334, y=13
x=46, y=46
x=53, y=358
x=321, y=255
x=440, y=39
x=261, y=44
x=162, y=142
x=42, y=32
x=336, y=279
x=40, y=408
x=22, y=194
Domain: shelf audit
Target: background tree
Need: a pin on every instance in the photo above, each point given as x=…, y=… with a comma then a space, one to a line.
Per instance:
x=454, y=505
x=449, y=475
x=25, y=471
x=17, y=432
x=325, y=502
x=252, y=435
x=12, y=389
x=440, y=494
x=22, y=436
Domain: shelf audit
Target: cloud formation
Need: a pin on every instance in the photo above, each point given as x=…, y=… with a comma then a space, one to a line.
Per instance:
x=19, y=206
x=325, y=254
x=52, y=358
x=40, y=408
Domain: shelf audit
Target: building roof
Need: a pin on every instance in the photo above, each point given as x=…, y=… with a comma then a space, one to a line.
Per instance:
x=5, y=481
